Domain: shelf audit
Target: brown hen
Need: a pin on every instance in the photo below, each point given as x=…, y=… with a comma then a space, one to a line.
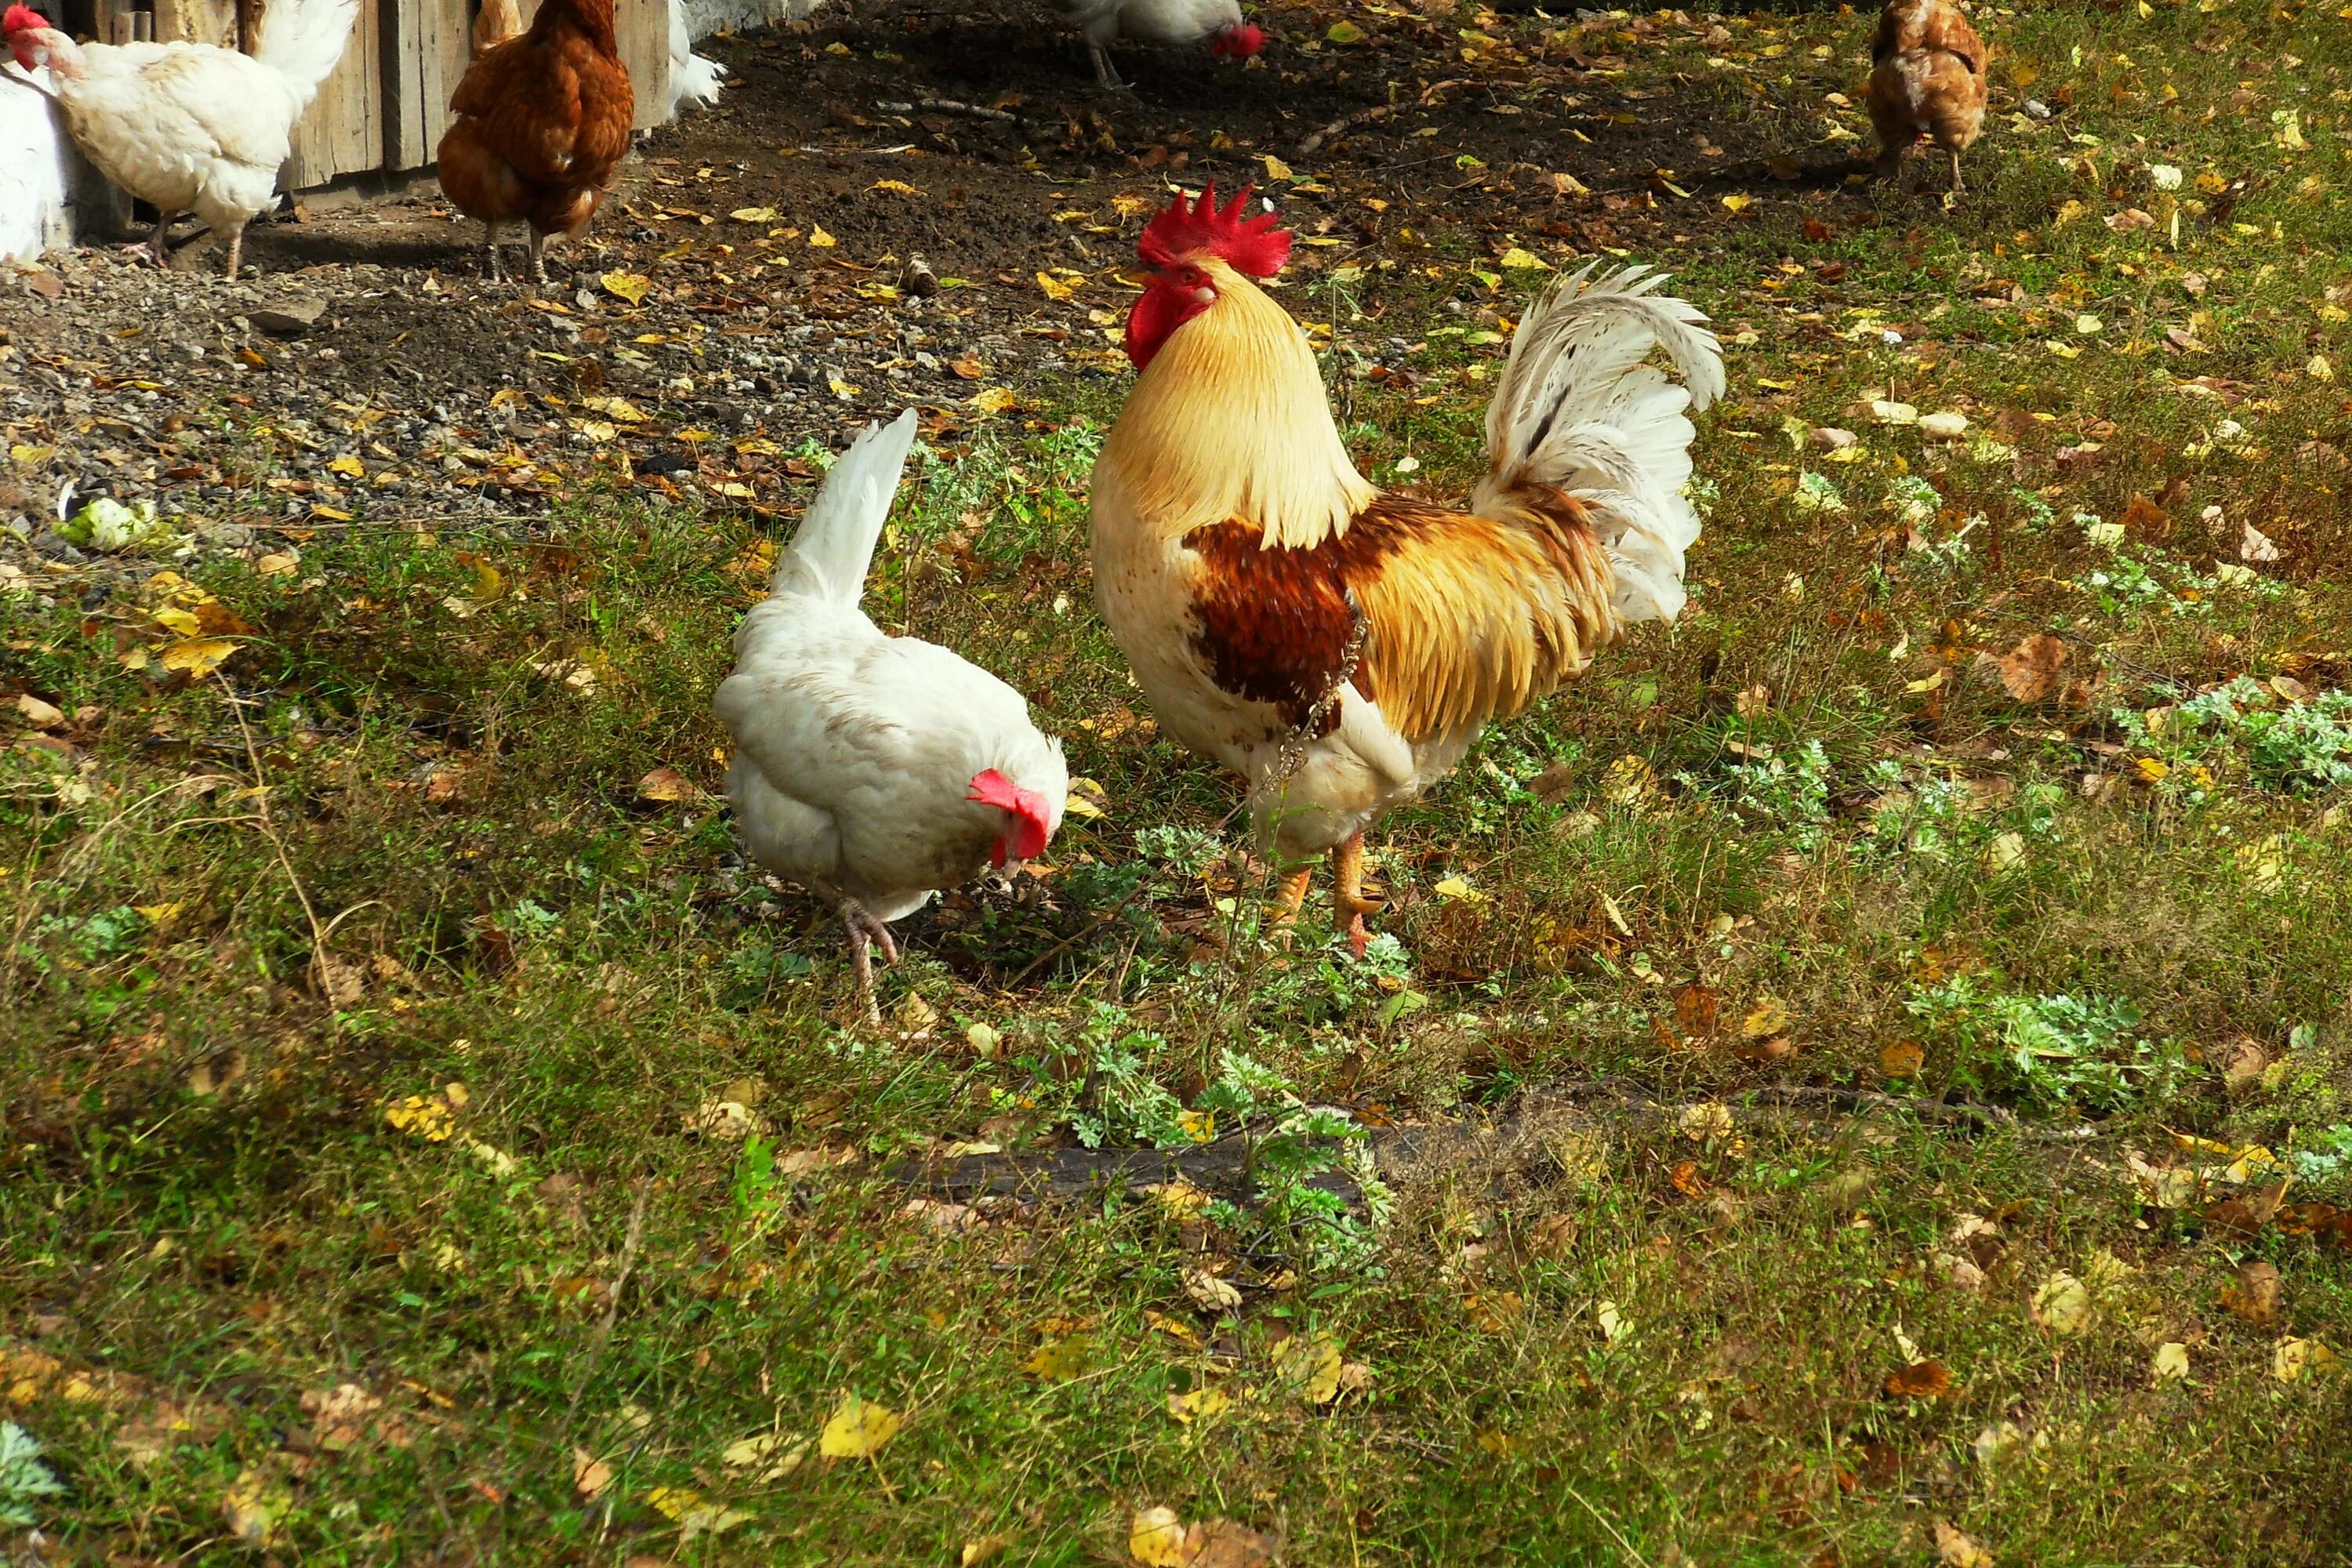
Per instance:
x=542, y=125
x=1926, y=82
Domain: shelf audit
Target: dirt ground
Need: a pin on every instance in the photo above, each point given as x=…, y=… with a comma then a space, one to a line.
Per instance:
x=759, y=251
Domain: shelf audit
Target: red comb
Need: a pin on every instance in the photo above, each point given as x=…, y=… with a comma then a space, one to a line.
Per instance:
x=1254, y=247
x=1239, y=41
x=21, y=18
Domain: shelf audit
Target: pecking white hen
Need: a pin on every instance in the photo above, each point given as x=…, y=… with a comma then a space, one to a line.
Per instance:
x=190, y=127
x=873, y=770
x=693, y=78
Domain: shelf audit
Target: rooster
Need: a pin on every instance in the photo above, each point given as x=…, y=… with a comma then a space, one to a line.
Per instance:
x=1339, y=647
x=542, y=125
x=191, y=127
x=873, y=770
x=1103, y=22
x=1926, y=81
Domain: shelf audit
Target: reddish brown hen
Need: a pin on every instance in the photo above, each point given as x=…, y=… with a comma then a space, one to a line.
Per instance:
x=1926, y=82
x=542, y=125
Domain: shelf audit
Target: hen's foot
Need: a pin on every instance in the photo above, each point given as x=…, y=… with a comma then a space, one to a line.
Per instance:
x=865, y=932
x=1349, y=899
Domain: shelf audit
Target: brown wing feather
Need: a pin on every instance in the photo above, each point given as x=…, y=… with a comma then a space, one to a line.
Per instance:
x=1446, y=619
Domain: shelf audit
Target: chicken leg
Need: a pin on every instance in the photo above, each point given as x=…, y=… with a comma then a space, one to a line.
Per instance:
x=236, y=250
x=1348, y=900
x=1956, y=187
x=538, y=255
x=865, y=929
x=1106, y=77
x=1293, y=897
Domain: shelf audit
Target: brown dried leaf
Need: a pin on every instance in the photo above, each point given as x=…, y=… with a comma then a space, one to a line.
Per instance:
x=2031, y=671
x=1922, y=1380
x=2257, y=1296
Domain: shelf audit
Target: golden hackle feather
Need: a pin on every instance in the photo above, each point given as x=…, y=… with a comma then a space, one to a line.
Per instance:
x=1231, y=421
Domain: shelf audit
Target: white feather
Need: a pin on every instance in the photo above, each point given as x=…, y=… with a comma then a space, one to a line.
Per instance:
x=1580, y=408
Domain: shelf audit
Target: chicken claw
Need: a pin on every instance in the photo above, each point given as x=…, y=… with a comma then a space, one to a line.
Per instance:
x=1347, y=869
x=865, y=932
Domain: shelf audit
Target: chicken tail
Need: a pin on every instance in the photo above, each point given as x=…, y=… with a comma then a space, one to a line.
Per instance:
x=1579, y=410
x=302, y=40
x=829, y=556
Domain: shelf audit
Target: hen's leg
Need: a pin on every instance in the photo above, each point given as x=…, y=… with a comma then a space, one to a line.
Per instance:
x=159, y=245
x=490, y=252
x=864, y=931
x=236, y=250
x=1956, y=187
x=1105, y=77
x=539, y=256
x=1348, y=868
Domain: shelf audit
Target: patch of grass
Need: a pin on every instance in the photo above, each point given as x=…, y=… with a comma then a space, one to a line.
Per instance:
x=1822, y=999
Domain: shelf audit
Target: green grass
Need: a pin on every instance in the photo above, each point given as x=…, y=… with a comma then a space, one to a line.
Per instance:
x=1653, y=1319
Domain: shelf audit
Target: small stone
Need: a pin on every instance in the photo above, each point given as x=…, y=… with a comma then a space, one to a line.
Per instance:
x=290, y=318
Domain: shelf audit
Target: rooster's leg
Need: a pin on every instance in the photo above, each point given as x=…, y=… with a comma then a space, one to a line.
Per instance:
x=1293, y=897
x=1348, y=870
x=1105, y=77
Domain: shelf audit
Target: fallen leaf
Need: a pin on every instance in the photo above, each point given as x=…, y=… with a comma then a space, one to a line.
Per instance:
x=696, y=1515
x=2170, y=1362
x=1345, y=33
x=1155, y=1537
x=1768, y=1016
x=994, y=400
x=197, y=656
x=2257, y=1295
x=857, y=1429
x=252, y=1507
x=632, y=287
x=2063, y=1304
x=820, y=239
x=1210, y=1293
x=2295, y=1358
x=1058, y=1361
x=1517, y=259
x=1310, y=1363
x=1198, y=1404
x=765, y=1455
x=753, y=215
x=1901, y=1058
x=40, y=714
x=2030, y=672
x=985, y=1548
x=669, y=786
x=1927, y=1379
x=1954, y=1550
x=590, y=1475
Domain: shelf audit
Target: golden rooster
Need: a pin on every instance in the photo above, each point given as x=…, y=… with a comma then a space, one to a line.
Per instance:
x=1926, y=82
x=1338, y=647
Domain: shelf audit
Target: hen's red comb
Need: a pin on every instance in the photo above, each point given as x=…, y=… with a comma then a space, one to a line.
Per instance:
x=21, y=18
x=1254, y=247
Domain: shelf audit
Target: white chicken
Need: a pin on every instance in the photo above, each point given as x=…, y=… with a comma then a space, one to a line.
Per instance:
x=693, y=78
x=1103, y=22
x=190, y=127
x=873, y=770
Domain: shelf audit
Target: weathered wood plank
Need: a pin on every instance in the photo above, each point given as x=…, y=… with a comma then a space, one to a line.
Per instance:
x=342, y=133
x=213, y=21
x=426, y=57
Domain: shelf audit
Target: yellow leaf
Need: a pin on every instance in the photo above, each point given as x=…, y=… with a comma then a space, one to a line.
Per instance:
x=1198, y=1404
x=822, y=241
x=1311, y=1365
x=1738, y=202
x=1460, y=887
x=2150, y=770
x=175, y=619
x=2170, y=1362
x=1054, y=288
x=859, y=1429
x=767, y=1457
x=1766, y=1018
x=1058, y=1361
x=1276, y=169
x=1199, y=1126
x=197, y=656
x=695, y=1516
x=349, y=466
x=277, y=564
x=1525, y=260
x=1086, y=798
x=753, y=215
x=622, y=409
x=2063, y=1304
x=994, y=400
x=632, y=287
x=1155, y=1537
x=2295, y=1358
x=1345, y=33
x=897, y=187
x=1954, y=1550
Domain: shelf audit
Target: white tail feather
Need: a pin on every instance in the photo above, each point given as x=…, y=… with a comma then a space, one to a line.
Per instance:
x=302, y=40
x=1579, y=410
x=830, y=554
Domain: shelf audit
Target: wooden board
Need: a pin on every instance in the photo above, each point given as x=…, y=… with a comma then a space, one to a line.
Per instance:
x=211, y=22
x=425, y=58
x=344, y=133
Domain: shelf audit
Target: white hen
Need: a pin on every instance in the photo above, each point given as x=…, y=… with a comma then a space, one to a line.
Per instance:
x=1104, y=22
x=190, y=127
x=873, y=770
x=693, y=78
